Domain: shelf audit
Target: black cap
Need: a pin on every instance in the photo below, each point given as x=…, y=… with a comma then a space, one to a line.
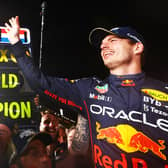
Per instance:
x=8, y=122
x=25, y=139
x=45, y=138
x=97, y=34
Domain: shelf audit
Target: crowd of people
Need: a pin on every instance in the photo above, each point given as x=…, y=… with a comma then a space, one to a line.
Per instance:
x=50, y=146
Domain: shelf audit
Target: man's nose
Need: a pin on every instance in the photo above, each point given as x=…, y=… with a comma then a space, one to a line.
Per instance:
x=104, y=45
x=46, y=160
x=51, y=124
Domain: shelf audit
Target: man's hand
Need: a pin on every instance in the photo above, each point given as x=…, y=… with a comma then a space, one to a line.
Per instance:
x=12, y=29
x=36, y=100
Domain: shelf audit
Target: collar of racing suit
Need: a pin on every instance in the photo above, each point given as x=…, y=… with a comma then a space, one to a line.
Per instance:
x=127, y=80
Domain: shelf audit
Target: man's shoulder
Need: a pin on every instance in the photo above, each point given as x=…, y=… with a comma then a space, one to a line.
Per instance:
x=86, y=80
x=154, y=83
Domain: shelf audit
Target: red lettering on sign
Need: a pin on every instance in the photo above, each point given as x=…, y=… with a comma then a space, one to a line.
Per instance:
x=54, y=96
x=71, y=103
x=46, y=92
x=62, y=100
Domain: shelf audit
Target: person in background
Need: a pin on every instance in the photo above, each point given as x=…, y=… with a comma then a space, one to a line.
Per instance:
x=33, y=153
x=76, y=138
x=49, y=123
x=74, y=141
x=7, y=147
x=70, y=135
x=62, y=150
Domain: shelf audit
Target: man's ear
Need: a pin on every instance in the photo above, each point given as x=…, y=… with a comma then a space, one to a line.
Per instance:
x=139, y=48
x=42, y=113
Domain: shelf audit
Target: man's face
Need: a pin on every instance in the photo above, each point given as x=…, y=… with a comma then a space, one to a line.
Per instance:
x=35, y=156
x=70, y=137
x=62, y=138
x=116, y=52
x=5, y=135
x=49, y=124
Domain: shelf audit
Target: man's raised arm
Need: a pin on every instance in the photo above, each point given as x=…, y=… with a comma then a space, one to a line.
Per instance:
x=53, y=89
x=12, y=29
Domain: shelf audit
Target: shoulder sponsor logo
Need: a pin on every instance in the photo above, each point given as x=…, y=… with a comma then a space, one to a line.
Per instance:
x=102, y=89
x=156, y=94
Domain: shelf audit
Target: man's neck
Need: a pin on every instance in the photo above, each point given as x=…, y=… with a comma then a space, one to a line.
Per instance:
x=127, y=70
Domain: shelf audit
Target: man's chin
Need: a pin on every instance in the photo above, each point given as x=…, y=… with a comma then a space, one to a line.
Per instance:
x=111, y=65
x=108, y=65
x=53, y=135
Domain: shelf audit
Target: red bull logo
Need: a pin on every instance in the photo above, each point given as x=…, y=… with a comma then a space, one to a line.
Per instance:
x=107, y=162
x=111, y=134
x=128, y=82
x=130, y=140
x=144, y=144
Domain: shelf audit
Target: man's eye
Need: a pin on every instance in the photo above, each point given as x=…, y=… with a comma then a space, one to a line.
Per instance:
x=34, y=153
x=46, y=121
x=112, y=40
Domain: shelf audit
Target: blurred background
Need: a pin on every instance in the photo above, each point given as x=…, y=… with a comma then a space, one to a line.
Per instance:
x=66, y=50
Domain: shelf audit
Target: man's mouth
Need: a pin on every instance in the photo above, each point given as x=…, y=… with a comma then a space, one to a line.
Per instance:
x=51, y=130
x=108, y=54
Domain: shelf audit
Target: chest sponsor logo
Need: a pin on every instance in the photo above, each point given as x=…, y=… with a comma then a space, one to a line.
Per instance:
x=132, y=116
x=127, y=82
x=102, y=89
x=100, y=97
x=107, y=161
x=156, y=94
x=128, y=139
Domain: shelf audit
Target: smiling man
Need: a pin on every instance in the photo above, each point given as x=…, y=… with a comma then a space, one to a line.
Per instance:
x=49, y=124
x=127, y=119
x=121, y=53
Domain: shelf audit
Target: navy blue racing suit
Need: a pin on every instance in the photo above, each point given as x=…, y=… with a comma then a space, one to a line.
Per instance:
x=128, y=115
